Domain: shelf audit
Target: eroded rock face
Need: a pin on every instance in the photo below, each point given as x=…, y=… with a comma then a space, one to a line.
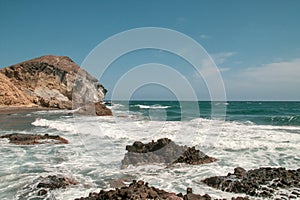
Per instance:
x=10, y=94
x=263, y=182
x=31, y=139
x=163, y=151
x=52, y=82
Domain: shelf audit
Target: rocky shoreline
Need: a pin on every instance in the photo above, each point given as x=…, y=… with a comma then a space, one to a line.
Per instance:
x=48, y=82
x=140, y=190
x=264, y=182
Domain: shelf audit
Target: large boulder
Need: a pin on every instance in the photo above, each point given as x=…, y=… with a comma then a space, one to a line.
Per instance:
x=163, y=151
x=52, y=82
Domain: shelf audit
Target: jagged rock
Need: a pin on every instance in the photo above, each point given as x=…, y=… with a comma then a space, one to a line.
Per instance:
x=52, y=82
x=262, y=182
x=53, y=182
x=31, y=139
x=193, y=156
x=141, y=191
x=139, y=147
x=41, y=187
x=163, y=151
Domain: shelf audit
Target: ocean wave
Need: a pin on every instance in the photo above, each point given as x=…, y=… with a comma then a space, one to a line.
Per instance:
x=53, y=124
x=152, y=106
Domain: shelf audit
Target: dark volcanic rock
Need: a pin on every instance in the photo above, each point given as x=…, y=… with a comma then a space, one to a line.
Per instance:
x=139, y=147
x=30, y=139
x=262, y=182
x=163, y=151
x=52, y=82
x=141, y=191
x=193, y=156
x=53, y=182
x=41, y=187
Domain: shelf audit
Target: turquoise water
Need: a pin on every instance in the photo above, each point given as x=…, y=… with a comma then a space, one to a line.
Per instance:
x=262, y=113
x=245, y=134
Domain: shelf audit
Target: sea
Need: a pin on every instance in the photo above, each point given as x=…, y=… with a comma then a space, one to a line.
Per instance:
x=248, y=134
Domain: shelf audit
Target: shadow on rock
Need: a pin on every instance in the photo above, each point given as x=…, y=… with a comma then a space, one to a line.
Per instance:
x=263, y=182
x=41, y=187
x=163, y=151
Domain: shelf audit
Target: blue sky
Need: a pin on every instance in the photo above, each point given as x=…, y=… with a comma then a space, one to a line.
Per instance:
x=255, y=44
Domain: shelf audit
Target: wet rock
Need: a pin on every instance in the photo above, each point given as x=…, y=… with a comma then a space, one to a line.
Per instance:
x=31, y=139
x=262, y=182
x=193, y=156
x=141, y=191
x=163, y=151
x=41, y=187
x=53, y=182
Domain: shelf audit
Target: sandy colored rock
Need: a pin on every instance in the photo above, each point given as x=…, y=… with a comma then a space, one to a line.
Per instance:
x=51, y=82
x=10, y=94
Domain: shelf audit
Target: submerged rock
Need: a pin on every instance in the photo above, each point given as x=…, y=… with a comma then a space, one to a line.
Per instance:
x=263, y=182
x=41, y=187
x=30, y=139
x=52, y=82
x=163, y=151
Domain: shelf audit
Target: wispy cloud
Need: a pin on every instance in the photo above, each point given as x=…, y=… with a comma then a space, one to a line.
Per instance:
x=273, y=81
x=204, y=36
x=222, y=57
x=279, y=72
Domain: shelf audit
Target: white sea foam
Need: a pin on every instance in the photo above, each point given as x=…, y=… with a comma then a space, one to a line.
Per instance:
x=97, y=146
x=152, y=106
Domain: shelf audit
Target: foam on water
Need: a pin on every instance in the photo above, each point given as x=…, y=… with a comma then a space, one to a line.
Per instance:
x=97, y=146
x=152, y=106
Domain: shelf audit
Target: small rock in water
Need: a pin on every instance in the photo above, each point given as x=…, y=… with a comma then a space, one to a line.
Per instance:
x=31, y=139
x=42, y=186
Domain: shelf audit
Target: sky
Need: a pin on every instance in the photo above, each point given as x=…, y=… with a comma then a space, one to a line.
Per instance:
x=255, y=44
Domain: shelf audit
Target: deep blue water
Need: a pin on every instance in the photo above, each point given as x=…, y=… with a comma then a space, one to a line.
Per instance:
x=257, y=112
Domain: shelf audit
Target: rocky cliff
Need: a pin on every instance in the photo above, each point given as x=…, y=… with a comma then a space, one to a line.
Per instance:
x=52, y=82
x=10, y=94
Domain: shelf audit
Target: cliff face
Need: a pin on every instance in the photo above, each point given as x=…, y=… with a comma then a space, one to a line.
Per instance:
x=10, y=94
x=50, y=81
